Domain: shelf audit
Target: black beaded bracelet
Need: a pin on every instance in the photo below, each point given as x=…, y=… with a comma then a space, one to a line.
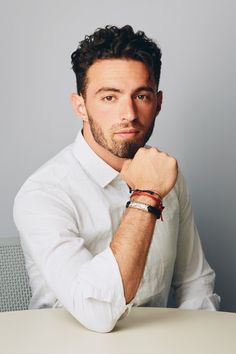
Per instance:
x=145, y=191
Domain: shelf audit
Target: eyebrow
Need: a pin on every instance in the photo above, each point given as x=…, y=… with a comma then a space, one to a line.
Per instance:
x=145, y=88
x=113, y=89
x=106, y=89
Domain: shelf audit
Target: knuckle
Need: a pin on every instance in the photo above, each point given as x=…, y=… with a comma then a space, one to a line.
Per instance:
x=173, y=161
x=154, y=152
x=140, y=151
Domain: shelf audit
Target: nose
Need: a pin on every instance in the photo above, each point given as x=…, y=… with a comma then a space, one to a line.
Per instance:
x=128, y=110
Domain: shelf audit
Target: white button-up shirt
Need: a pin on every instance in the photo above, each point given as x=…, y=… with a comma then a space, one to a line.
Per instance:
x=67, y=213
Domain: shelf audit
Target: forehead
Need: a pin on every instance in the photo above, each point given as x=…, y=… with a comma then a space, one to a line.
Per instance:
x=118, y=72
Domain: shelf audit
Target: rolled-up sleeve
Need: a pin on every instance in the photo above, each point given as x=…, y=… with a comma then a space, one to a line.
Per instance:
x=193, y=279
x=89, y=287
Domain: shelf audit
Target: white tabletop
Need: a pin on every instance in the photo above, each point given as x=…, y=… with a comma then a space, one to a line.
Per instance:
x=145, y=330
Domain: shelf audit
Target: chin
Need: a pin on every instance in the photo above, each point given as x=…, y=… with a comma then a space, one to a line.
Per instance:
x=126, y=150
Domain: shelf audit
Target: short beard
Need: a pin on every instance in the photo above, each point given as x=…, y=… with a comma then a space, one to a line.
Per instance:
x=124, y=149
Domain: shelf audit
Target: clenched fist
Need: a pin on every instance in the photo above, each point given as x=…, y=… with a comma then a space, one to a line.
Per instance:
x=151, y=169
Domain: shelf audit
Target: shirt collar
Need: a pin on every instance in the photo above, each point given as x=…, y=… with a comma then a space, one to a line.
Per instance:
x=97, y=168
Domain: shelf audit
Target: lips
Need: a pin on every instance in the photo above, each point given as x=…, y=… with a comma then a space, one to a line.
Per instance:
x=127, y=133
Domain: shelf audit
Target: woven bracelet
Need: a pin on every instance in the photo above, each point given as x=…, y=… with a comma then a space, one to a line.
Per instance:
x=146, y=191
x=152, y=196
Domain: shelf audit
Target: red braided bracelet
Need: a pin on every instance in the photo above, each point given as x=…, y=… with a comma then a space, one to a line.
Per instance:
x=157, y=199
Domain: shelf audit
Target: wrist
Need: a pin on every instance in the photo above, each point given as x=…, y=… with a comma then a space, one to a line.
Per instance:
x=152, y=192
x=151, y=195
x=147, y=200
x=144, y=199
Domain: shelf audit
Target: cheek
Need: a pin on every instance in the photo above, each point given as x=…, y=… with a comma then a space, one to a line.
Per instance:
x=150, y=110
x=101, y=118
x=102, y=111
x=147, y=115
x=105, y=115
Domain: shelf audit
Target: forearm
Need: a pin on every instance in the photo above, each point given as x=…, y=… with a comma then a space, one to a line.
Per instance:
x=130, y=246
x=153, y=170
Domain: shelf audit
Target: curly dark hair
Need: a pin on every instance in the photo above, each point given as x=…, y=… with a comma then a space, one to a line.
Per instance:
x=113, y=42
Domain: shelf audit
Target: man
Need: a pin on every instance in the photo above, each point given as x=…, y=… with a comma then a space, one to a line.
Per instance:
x=86, y=248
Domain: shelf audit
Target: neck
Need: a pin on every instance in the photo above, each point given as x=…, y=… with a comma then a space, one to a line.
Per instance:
x=112, y=160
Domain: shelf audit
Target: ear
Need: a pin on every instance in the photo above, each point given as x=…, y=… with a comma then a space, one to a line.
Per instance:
x=78, y=106
x=159, y=101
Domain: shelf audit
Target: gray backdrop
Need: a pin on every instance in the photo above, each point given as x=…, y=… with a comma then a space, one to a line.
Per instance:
x=197, y=123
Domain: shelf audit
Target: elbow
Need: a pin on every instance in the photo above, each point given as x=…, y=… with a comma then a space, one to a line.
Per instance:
x=104, y=326
x=100, y=324
x=97, y=316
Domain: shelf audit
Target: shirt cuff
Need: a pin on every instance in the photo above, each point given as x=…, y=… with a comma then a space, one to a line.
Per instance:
x=102, y=282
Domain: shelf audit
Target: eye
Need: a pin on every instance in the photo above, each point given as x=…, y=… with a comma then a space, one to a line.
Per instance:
x=143, y=97
x=108, y=98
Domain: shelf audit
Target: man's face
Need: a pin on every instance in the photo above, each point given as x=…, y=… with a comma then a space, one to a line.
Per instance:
x=121, y=104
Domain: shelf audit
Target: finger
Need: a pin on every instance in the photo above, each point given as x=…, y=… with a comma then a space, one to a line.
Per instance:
x=154, y=148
